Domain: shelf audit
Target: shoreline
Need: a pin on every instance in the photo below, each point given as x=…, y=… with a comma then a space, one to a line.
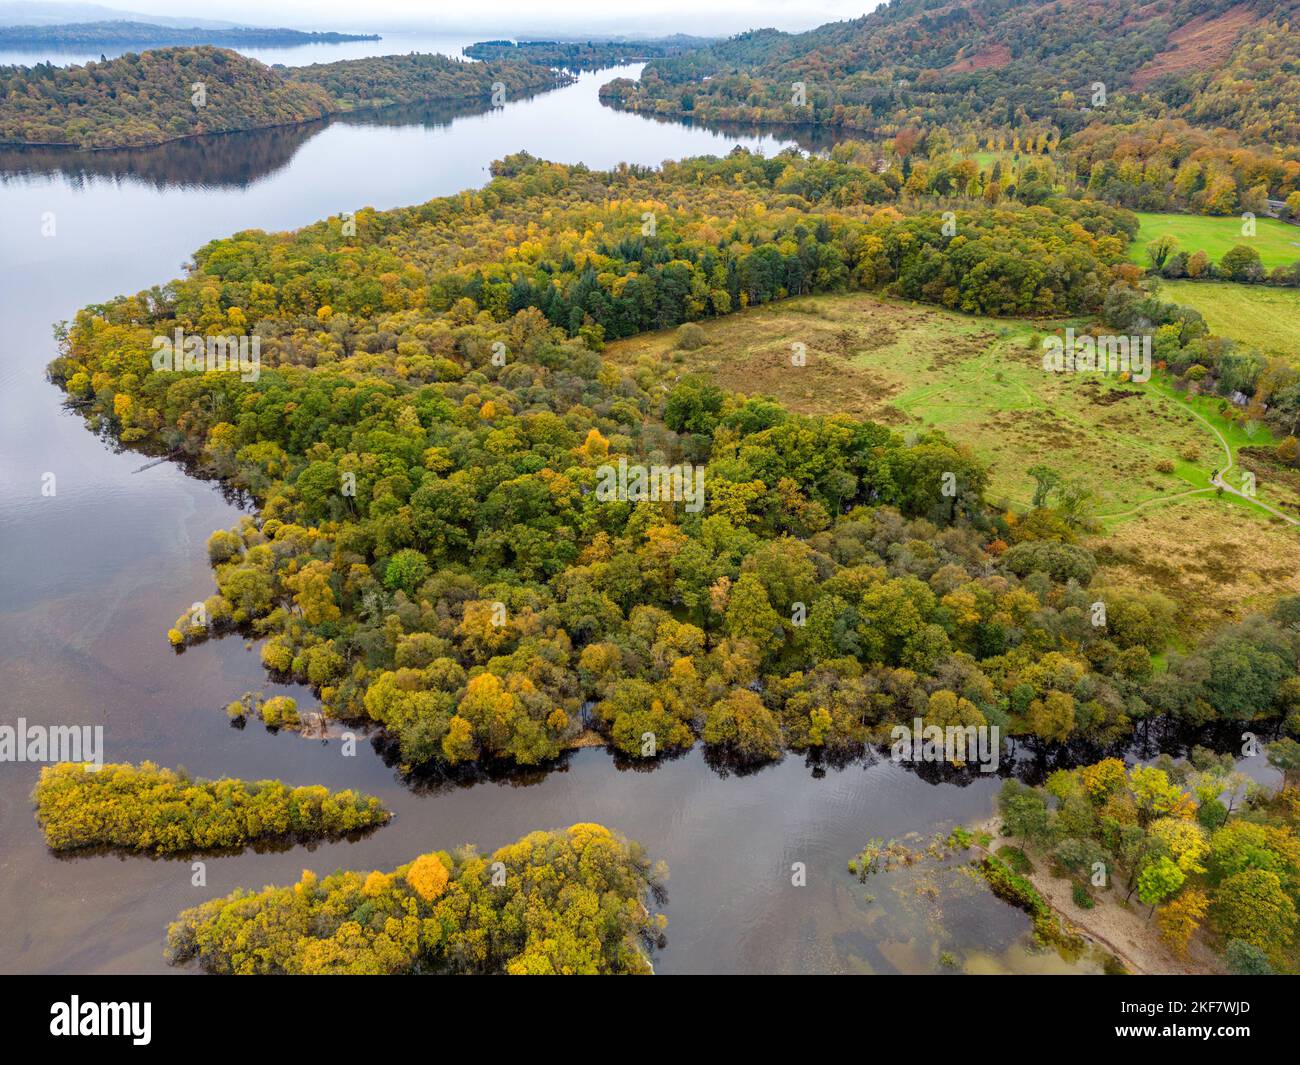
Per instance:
x=1129, y=935
x=559, y=79
x=72, y=147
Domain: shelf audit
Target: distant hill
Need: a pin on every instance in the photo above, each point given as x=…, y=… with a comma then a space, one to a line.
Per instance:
x=981, y=64
x=588, y=54
x=148, y=98
x=153, y=36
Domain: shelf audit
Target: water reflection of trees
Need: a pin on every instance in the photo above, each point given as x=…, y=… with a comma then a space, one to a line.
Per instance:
x=224, y=160
x=1028, y=759
x=221, y=160
x=809, y=138
x=265, y=845
x=431, y=115
x=237, y=160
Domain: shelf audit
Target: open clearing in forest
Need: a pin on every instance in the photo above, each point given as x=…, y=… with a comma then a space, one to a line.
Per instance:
x=1197, y=45
x=981, y=382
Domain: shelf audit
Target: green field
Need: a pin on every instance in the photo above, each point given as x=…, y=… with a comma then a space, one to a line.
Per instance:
x=1276, y=242
x=1264, y=318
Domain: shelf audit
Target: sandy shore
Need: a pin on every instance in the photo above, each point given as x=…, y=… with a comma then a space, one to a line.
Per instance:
x=1122, y=929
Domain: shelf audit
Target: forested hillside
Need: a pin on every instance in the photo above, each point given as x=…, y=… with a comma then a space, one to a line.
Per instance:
x=148, y=98
x=432, y=412
x=162, y=94
x=1169, y=165
x=988, y=65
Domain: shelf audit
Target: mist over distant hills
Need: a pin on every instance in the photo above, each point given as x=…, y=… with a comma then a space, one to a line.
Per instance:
x=44, y=13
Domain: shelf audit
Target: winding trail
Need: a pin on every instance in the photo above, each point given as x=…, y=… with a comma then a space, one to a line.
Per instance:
x=1216, y=481
x=1219, y=483
x=1154, y=501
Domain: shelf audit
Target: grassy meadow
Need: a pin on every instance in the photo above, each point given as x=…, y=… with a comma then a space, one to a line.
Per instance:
x=1265, y=318
x=1276, y=242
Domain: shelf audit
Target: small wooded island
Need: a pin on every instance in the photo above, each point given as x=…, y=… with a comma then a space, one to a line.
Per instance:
x=553, y=903
x=165, y=94
x=147, y=808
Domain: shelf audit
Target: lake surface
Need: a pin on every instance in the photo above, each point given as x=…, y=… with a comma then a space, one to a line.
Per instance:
x=91, y=579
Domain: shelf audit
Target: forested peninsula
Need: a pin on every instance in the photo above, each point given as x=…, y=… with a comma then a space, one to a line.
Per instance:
x=433, y=414
x=159, y=95
x=585, y=55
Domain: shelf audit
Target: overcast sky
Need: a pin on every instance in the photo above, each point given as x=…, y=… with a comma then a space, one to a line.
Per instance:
x=514, y=17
